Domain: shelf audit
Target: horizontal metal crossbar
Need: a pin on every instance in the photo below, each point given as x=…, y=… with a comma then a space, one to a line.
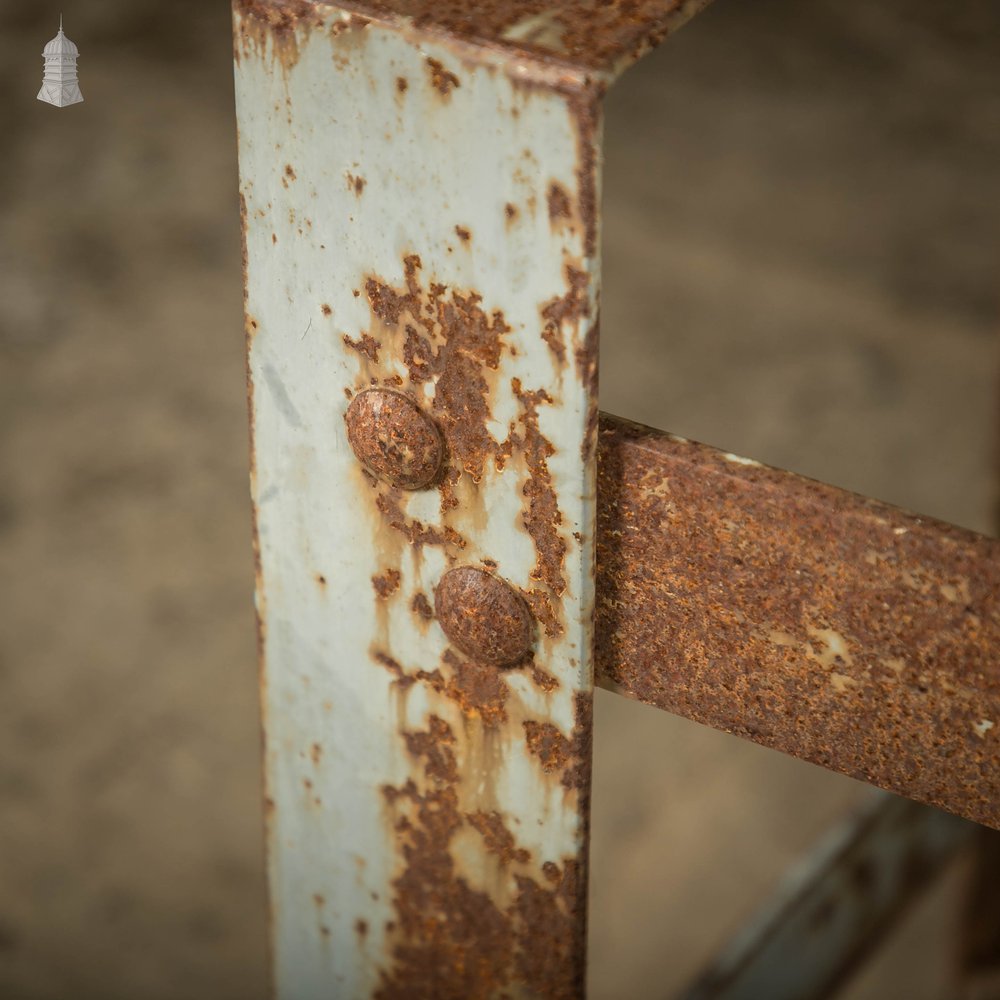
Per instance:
x=833, y=910
x=832, y=627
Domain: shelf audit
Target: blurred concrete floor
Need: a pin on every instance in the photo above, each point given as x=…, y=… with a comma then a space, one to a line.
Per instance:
x=801, y=251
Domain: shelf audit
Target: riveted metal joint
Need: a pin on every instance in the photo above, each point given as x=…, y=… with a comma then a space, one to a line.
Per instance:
x=393, y=438
x=483, y=616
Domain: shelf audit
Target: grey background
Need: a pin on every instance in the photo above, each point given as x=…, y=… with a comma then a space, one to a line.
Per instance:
x=801, y=258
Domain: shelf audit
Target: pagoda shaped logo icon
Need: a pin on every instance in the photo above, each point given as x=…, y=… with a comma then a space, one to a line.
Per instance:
x=59, y=84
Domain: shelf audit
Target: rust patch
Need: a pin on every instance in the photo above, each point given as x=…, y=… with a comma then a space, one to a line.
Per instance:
x=587, y=356
x=315, y=753
x=366, y=345
x=587, y=108
x=386, y=584
x=451, y=341
x=497, y=838
x=589, y=34
x=402, y=84
x=568, y=309
x=542, y=516
x=463, y=234
x=483, y=616
x=416, y=532
x=422, y=607
x=450, y=941
x=834, y=628
x=361, y=928
x=327, y=311
x=559, y=203
x=510, y=212
x=289, y=172
x=442, y=80
x=477, y=689
x=383, y=659
x=552, y=931
x=569, y=755
x=544, y=680
x=355, y=184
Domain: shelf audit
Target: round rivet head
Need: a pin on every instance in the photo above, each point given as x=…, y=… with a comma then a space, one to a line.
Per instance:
x=483, y=616
x=393, y=438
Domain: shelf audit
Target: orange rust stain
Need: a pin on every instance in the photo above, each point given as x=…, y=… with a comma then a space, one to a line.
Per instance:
x=315, y=753
x=289, y=172
x=497, y=838
x=587, y=356
x=402, y=84
x=569, y=755
x=326, y=309
x=422, y=606
x=387, y=583
x=416, y=532
x=262, y=22
x=542, y=516
x=451, y=941
x=479, y=690
x=441, y=79
x=463, y=234
x=559, y=203
x=569, y=308
x=366, y=345
x=356, y=184
x=544, y=680
x=451, y=341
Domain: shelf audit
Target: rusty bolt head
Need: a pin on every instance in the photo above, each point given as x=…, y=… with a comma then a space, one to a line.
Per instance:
x=483, y=616
x=393, y=438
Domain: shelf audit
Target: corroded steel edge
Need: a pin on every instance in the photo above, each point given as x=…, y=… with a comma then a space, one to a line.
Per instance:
x=601, y=38
x=424, y=220
x=834, y=628
x=835, y=908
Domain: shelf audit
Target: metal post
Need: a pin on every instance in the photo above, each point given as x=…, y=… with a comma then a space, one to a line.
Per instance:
x=421, y=254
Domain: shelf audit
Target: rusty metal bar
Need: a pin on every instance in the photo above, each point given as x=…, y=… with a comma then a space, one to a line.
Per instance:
x=833, y=910
x=420, y=195
x=831, y=627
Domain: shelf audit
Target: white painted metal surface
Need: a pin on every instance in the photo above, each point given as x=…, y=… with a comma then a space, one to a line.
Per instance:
x=380, y=167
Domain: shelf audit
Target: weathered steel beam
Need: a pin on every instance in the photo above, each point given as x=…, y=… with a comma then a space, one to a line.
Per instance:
x=837, y=906
x=420, y=194
x=834, y=628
